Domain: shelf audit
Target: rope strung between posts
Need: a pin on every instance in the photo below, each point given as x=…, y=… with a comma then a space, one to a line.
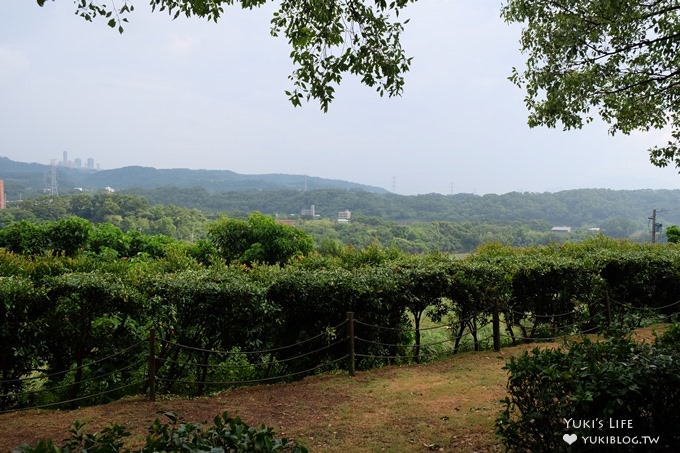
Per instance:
x=254, y=381
x=401, y=345
x=557, y=315
x=260, y=352
x=260, y=364
x=85, y=365
x=582, y=332
x=89, y=379
x=73, y=400
x=422, y=329
x=651, y=308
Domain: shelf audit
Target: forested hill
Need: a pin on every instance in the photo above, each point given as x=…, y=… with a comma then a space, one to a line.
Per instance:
x=229, y=192
x=578, y=208
x=24, y=180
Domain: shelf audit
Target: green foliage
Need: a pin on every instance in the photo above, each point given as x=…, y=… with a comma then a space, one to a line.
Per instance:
x=641, y=277
x=90, y=316
x=21, y=322
x=327, y=39
x=615, y=58
x=65, y=236
x=259, y=240
x=226, y=434
x=209, y=310
x=422, y=283
x=418, y=224
x=619, y=379
x=670, y=339
x=314, y=300
x=110, y=440
x=69, y=235
x=64, y=314
x=553, y=289
x=673, y=234
x=110, y=236
x=25, y=237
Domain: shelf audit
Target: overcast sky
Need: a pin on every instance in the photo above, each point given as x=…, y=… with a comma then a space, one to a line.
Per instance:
x=192, y=94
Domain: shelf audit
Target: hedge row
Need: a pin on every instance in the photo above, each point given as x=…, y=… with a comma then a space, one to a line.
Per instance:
x=68, y=313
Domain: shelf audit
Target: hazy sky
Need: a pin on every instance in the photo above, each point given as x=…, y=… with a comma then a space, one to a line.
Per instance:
x=193, y=94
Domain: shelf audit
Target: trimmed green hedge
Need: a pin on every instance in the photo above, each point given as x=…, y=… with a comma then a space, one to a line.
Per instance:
x=619, y=389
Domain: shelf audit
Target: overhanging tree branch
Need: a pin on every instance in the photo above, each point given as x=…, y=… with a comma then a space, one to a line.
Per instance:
x=328, y=38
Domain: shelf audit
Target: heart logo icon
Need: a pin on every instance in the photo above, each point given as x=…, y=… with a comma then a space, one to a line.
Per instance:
x=569, y=438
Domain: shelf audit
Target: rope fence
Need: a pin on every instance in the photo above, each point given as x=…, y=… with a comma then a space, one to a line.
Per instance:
x=165, y=365
x=111, y=376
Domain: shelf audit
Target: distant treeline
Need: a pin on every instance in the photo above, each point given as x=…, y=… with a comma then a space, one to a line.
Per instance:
x=512, y=219
x=619, y=211
x=134, y=213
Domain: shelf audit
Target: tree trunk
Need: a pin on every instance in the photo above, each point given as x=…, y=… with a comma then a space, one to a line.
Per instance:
x=459, y=336
x=472, y=324
x=508, y=327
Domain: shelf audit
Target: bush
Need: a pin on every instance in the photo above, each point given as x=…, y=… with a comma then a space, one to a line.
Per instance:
x=225, y=435
x=589, y=388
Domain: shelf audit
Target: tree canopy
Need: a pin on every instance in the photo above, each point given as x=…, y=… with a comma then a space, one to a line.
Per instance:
x=328, y=39
x=260, y=239
x=618, y=59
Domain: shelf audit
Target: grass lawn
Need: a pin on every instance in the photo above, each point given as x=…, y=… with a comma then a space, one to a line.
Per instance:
x=449, y=405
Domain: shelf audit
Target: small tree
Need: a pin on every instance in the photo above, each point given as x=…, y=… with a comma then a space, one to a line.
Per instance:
x=673, y=234
x=423, y=282
x=69, y=235
x=25, y=238
x=260, y=239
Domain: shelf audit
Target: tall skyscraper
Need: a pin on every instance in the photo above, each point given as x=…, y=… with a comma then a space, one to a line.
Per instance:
x=2, y=194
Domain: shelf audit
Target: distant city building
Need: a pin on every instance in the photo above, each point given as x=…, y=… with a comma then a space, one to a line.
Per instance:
x=344, y=216
x=76, y=163
x=2, y=194
x=109, y=189
x=311, y=212
x=561, y=229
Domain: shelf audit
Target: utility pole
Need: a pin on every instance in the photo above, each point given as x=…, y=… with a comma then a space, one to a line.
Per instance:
x=653, y=219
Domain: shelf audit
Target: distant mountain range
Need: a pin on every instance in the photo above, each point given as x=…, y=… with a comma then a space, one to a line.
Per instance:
x=25, y=180
x=228, y=192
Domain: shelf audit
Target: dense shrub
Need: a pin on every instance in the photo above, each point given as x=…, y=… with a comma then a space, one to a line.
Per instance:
x=259, y=240
x=207, y=310
x=584, y=389
x=314, y=300
x=21, y=321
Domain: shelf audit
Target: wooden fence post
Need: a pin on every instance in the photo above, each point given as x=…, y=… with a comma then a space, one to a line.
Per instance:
x=152, y=365
x=496, y=321
x=350, y=344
